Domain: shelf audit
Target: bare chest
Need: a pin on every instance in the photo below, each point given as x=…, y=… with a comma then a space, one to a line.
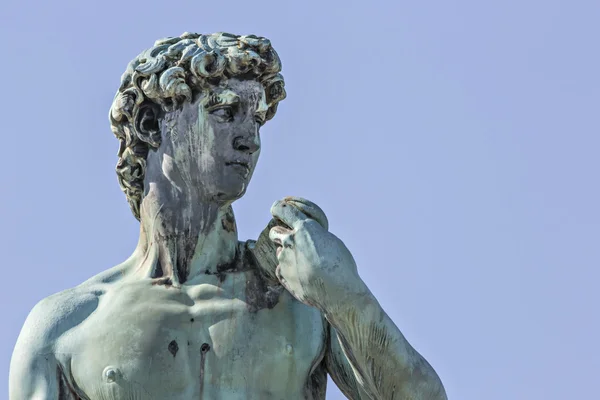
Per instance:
x=229, y=338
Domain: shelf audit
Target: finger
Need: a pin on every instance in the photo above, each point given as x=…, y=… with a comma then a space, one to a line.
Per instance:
x=288, y=214
x=310, y=209
x=281, y=236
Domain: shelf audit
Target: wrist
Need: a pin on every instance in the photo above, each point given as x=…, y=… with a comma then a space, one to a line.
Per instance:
x=348, y=299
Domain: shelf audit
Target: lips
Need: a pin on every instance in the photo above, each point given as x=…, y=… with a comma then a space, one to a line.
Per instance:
x=241, y=166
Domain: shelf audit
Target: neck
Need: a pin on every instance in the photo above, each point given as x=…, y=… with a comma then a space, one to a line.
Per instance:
x=181, y=238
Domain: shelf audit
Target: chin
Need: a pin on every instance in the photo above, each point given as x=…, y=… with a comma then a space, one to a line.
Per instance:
x=231, y=194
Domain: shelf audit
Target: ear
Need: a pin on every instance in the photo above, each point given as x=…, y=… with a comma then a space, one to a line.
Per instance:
x=147, y=123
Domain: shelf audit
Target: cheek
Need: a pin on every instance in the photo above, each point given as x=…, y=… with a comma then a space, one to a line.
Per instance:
x=203, y=144
x=218, y=139
x=255, y=157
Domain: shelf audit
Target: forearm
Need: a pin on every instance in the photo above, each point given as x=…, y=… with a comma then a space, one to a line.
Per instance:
x=317, y=268
x=385, y=365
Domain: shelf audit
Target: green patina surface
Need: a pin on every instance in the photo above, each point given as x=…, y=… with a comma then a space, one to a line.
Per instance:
x=194, y=313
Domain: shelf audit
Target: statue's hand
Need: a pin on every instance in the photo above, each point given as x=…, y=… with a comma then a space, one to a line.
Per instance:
x=264, y=250
x=313, y=264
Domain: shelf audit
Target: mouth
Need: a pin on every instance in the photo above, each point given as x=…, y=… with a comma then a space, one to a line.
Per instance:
x=240, y=166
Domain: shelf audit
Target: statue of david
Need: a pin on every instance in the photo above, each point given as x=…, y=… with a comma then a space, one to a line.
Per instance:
x=194, y=313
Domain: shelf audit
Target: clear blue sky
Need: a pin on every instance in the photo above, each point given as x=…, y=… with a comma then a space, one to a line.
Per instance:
x=453, y=144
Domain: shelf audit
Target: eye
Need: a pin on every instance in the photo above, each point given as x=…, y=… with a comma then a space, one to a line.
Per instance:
x=224, y=114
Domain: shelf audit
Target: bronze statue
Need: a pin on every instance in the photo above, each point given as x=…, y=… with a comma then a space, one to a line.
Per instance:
x=194, y=313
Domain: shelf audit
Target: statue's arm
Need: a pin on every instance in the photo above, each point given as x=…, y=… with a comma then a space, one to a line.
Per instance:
x=318, y=269
x=37, y=370
x=369, y=358
x=340, y=370
x=34, y=370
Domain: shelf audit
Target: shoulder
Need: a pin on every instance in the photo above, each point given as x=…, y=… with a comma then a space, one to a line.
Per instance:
x=35, y=365
x=56, y=314
x=62, y=311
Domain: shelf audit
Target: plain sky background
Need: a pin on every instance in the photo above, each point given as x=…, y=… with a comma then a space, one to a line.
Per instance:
x=453, y=144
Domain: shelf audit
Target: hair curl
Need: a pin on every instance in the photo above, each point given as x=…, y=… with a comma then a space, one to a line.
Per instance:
x=172, y=72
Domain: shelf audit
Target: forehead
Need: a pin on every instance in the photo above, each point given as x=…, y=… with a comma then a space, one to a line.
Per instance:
x=248, y=90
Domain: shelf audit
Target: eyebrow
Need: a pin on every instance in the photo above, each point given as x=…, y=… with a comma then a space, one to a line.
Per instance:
x=226, y=97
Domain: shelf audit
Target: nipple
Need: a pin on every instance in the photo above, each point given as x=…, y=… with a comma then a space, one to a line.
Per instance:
x=110, y=374
x=289, y=349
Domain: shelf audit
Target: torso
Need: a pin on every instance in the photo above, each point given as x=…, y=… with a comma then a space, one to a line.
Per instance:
x=222, y=337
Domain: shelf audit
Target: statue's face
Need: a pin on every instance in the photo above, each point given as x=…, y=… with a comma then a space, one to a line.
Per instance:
x=212, y=145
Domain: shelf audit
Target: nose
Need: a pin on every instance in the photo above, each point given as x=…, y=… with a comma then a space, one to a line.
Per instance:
x=248, y=143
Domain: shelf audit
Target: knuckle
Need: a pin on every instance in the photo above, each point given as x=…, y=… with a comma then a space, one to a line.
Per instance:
x=311, y=223
x=301, y=225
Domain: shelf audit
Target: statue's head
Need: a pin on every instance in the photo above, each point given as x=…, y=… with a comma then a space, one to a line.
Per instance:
x=190, y=109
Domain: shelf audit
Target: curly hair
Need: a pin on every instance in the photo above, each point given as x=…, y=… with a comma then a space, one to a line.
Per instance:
x=173, y=71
